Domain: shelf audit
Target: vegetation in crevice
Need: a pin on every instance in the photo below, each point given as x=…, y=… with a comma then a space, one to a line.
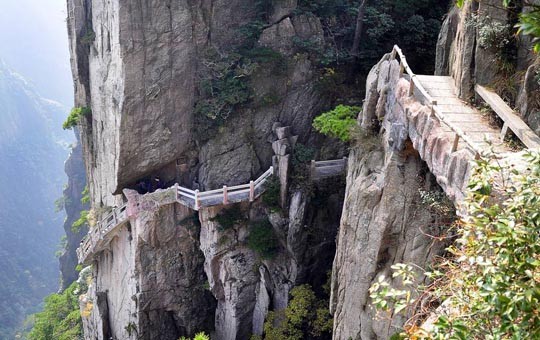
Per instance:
x=81, y=221
x=300, y=176
x=229, y=217
x=306, y=317
x=271, y=195
x=262, y=239
x=75, y=116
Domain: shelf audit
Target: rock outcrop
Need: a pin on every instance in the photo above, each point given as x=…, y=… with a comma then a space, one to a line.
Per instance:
x=385, y=219
x=73, y=193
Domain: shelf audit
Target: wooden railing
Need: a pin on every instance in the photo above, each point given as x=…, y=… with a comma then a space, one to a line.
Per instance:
x=511, y=120
x=416, y=85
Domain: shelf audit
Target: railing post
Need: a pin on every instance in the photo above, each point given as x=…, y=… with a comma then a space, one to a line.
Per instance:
x=411, y=86
x=272, y=170
x=313, y=169
x=504, y=131
x=197, y=202
x=176, y=198
x=393, y=54
x=433, y=104
x=251, y=191
x=225, y=195
x=456, y=143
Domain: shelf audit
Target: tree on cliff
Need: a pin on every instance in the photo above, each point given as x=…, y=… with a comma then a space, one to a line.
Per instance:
x=359, y=28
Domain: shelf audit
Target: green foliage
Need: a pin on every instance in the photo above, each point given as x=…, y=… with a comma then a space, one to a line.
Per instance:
x=338, y=122
x=229, y=217
x=491, y=286
x=263, y=239
x=494, y=284
x=302, y=154
x=306, y=317
x=529, y=21
x=396, y=300
x=198, y=336
x=529, y=24
x=85, y=199
x=271, y=196
x=83, y=220
x=75, y=117
x=225, y=84
x=60, y=204
x=60, y=318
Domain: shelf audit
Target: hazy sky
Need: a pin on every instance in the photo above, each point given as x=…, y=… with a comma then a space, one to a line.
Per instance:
x=33, y=42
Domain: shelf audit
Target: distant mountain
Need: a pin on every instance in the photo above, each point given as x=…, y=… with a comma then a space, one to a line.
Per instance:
x=33, y=148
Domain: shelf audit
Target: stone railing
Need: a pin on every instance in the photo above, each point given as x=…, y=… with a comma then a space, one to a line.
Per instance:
x=196, y=200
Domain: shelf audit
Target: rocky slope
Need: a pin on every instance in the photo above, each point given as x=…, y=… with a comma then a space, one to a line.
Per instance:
x=140, y=68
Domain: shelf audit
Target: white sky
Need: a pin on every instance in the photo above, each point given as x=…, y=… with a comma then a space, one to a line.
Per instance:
x=33, y=42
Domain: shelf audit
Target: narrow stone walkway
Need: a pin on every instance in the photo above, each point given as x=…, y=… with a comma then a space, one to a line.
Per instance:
x=99, y=236
x=470, y=120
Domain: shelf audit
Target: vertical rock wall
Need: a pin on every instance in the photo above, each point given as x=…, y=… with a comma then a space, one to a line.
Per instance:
x=138, y=66
x=74, y=168
x=385, y=220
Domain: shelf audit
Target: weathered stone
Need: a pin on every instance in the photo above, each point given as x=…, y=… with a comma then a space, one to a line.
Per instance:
x=283, y=132
x=528, y=101
x=281, y=147
x=279, y=37
x=282, y=8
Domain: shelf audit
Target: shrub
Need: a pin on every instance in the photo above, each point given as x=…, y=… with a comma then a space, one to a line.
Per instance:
x=490, y=287
x=306, y=317
x=60, y=318
x=198, y=336
x=338, y=122
x=263, y=239
x=83, y=220
x=85, y=199
x=75, y=116
x=89, y=37
x=272, y=193
x=494, y=283
x=229, y=217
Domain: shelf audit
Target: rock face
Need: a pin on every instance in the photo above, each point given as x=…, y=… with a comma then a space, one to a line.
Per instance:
x=139, y=68
x=74, y=169
x=385, y=220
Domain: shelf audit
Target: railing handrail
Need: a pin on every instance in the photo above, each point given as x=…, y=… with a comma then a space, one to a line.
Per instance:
x=432, y=103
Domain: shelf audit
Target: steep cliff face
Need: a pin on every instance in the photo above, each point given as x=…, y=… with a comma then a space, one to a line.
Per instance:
x=385, y=218
x=73, y=193
x=140, y=68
